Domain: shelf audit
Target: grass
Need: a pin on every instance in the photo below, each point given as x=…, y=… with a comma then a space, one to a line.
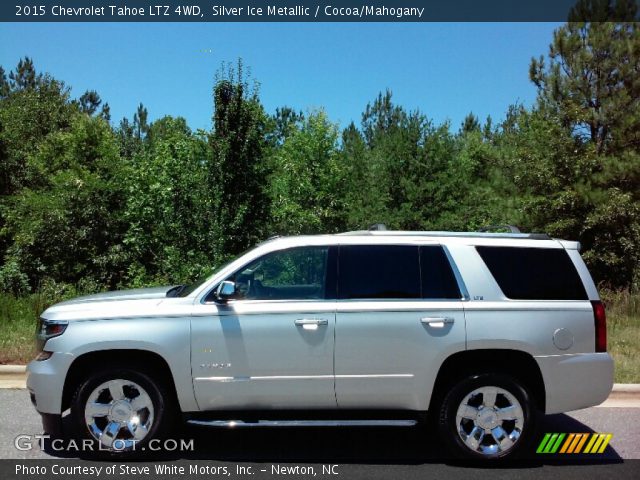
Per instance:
x=623, y=332
x=18, y=318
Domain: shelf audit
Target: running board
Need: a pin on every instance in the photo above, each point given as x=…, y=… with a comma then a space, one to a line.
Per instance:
x=302, y=423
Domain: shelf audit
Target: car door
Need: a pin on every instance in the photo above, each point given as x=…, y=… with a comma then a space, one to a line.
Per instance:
x=272, y=345
x=399, y=315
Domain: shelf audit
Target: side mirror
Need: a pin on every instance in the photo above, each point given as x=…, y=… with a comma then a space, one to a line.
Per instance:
x=225, y=291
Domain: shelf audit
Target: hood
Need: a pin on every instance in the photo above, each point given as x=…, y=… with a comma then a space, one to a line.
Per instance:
x=141, y=302
x=134, y=294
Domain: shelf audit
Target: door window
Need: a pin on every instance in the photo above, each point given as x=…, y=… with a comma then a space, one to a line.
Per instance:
x=438, y=279
x=378, y=271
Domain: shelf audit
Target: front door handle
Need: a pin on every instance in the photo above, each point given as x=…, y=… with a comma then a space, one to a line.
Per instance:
x=311, y=323
x=436, y=322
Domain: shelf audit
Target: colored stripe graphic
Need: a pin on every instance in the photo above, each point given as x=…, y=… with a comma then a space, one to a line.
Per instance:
x=553, y=443
x=607, y=439
x=550, y=443
x=555, y=447
x=568, y=442
x=594, y=437
x=581, y=443
x=543, y=443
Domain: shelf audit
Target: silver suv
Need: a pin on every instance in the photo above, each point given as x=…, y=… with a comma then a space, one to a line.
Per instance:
x=484, y=331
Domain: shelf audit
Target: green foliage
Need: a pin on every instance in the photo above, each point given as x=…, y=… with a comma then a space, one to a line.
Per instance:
x=409, y=174
x=592, y=78
x=588, y=118
x=307, y=179
x=168, y=233
x=470, y=124
x=27, y=116
x=86, y=206
x=237, y=172
x=68, y=227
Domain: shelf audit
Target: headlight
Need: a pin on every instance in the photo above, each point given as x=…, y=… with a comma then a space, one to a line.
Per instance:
x=48, y=329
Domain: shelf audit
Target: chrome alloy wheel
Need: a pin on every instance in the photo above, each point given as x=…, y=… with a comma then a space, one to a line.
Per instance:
x=119, y=413
x=489, y=420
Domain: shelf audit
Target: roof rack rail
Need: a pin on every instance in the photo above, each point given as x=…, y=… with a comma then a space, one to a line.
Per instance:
x=492, y=228
x=513, y=235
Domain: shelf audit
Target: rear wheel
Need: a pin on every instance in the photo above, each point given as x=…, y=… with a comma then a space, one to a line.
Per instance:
x=487, y=416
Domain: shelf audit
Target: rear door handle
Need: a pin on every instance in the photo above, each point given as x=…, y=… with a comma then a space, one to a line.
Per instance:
x=436, y=322
x=311, y=323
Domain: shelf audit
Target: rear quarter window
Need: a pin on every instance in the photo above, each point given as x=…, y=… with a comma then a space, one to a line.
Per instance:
x=524, y=273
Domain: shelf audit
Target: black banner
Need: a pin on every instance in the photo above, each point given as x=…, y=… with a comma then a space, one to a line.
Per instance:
x=287, y=11
x=210, y=470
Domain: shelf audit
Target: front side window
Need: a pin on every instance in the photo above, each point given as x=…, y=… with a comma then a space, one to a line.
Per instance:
x=294, y=274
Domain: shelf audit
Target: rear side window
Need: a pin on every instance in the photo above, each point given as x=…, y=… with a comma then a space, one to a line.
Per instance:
x=378, y=271
x=438, y=280
x=534, y=273
x=395, y=271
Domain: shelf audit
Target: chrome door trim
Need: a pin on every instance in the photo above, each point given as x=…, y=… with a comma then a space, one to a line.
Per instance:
x=302, y=377
x=302, y=423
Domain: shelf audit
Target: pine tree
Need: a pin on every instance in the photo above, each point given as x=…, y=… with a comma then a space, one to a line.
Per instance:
x=24, y=76
x=140, y=124
x=5, y=88
x=592, y=79
x=89, y=102
x=590, y=88
x=470, y=124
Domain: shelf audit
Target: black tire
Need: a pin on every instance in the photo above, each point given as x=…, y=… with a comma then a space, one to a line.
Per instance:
x=451, y=429
x=163, y=412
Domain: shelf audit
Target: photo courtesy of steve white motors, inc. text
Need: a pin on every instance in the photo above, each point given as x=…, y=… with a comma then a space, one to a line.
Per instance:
x=129, y=470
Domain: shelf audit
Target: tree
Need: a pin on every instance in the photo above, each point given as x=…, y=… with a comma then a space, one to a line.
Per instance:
x=590, y=95
x=238, y=168
x=592, y=79
x=307, y=181
x=140, y=125
x=24, y=76
x=168, y=237
x=285, y=121
x=5, y=87
x=69, y=227
x=105, y=112
x=89, y=102
x=127, y=141
x=470, y=124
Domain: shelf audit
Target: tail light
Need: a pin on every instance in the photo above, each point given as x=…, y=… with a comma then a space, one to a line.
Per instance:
x=600, y=318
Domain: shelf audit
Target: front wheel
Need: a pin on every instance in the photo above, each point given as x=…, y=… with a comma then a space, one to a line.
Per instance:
x=487, y=416
x=120, y=410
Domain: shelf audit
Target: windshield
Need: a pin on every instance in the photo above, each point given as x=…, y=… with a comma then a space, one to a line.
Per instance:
x=186, y=290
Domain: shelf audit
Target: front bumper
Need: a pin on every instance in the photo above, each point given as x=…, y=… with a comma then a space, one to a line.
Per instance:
x=45, y=382
x=576, y=381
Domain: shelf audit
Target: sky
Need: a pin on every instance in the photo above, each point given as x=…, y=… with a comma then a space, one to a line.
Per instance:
x=444, y=70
